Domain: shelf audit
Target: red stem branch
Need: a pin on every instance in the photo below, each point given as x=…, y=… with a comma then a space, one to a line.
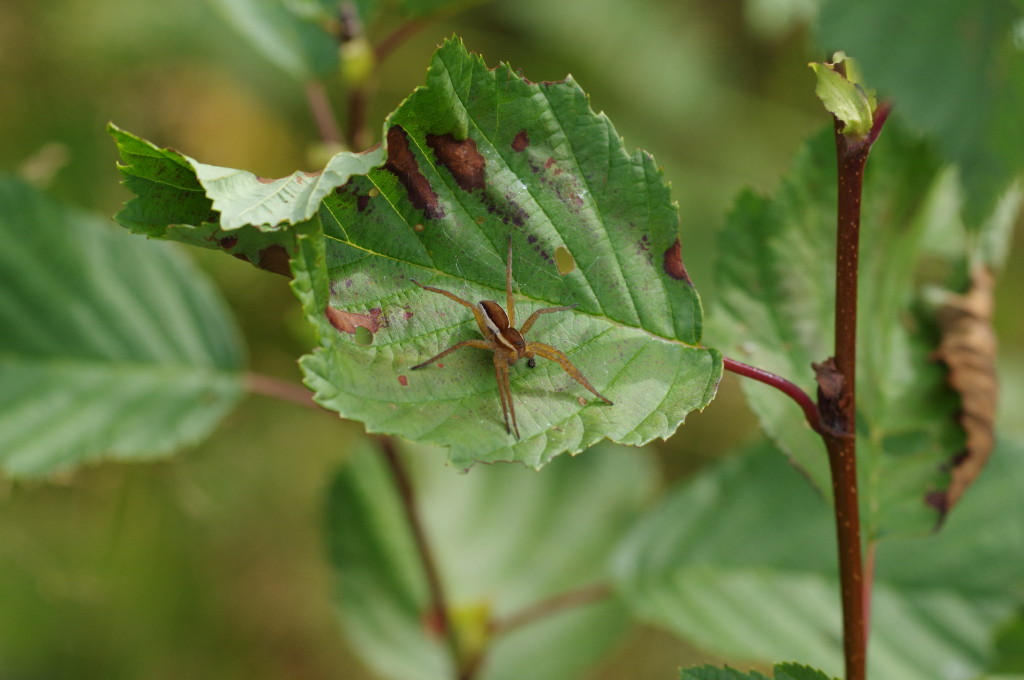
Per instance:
x=802, y=399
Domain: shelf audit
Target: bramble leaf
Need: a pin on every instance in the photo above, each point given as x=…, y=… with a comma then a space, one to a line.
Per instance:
x=952, y=69
x=224, y=209
x=778, y=284
x=476, y=157
x=785, y=671
x=491, y=568
x=740, y=560
x=113, y=346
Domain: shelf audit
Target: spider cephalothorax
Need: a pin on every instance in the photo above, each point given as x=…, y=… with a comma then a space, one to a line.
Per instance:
x=508, y=343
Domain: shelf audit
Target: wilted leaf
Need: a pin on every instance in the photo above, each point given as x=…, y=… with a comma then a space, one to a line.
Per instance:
x=740, y=561
x=474, y=158
x=112, y=346
x=968, y=349
x=503, y=543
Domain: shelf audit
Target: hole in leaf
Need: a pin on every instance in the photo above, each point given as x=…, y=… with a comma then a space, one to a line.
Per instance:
x=363, y=336
x=564, y=260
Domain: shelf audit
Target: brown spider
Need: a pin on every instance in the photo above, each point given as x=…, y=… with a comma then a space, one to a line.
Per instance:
x=507, y=343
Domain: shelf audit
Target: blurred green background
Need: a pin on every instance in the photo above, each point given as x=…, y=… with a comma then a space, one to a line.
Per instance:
x=211, y=564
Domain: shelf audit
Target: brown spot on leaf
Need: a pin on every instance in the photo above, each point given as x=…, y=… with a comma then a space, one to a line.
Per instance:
x=362, y=200
x=402, y=163
x=673, y=264
x=265, y=180
x=968, y=349
x=403, y=381
x=275, y=259
x=348, y=322
x=228, y=242
x=460, y=158
x=521, y=141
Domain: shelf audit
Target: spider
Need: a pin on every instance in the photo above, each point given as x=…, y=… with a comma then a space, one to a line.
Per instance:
x=507, y=343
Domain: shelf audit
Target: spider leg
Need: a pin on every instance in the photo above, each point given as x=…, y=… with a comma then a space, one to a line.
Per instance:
x=479, y=344
x=453, y=296
x=533, y=317
x=477, y=314
x=509, y=303
x=501, y=374
x=558, y=356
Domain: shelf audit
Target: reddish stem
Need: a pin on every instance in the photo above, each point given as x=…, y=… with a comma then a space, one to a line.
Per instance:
x=802, y=399
x=837, y=380
x=323, y=113
x=280, y=389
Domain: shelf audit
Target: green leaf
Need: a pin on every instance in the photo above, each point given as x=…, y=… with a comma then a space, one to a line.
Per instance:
x=740, y=560
x=844, y=99
x=243, y=199
x=474, y=158
x=952, y=69
x=113, y=346
x=425, y=8
x=782, y=672
x=777, y=270
x=291, y=34
x=491, y=567
x=220, y=208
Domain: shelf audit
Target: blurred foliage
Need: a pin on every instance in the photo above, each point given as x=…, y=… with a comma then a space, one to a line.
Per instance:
x=212, y=565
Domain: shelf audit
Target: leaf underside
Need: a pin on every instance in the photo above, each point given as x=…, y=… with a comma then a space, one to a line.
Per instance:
x=710, y=564
x=381, y=592
x=113, y=346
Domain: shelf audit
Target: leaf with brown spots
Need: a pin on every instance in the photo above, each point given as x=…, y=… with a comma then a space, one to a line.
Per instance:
x=475, y=157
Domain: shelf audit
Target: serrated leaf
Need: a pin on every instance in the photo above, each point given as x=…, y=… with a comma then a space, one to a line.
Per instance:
x=244, y=199
x=740, y=560
x=777, y=271
x=224, y=209
x=952, y=69
x=782, y=672
x=113, y=346
x=491, y=568
x=844, y=99
x=291, y=34
x=474, y=158
x=170, y=203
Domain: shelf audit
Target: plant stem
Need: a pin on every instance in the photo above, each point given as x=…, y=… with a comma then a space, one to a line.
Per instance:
x=438, y=602
x=803, y=399
x=323, y=113
x=280, y=389
x=545, y=608
x=837, y=393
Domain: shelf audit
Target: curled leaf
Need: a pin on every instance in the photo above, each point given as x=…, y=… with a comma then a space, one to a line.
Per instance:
x=968, y=349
